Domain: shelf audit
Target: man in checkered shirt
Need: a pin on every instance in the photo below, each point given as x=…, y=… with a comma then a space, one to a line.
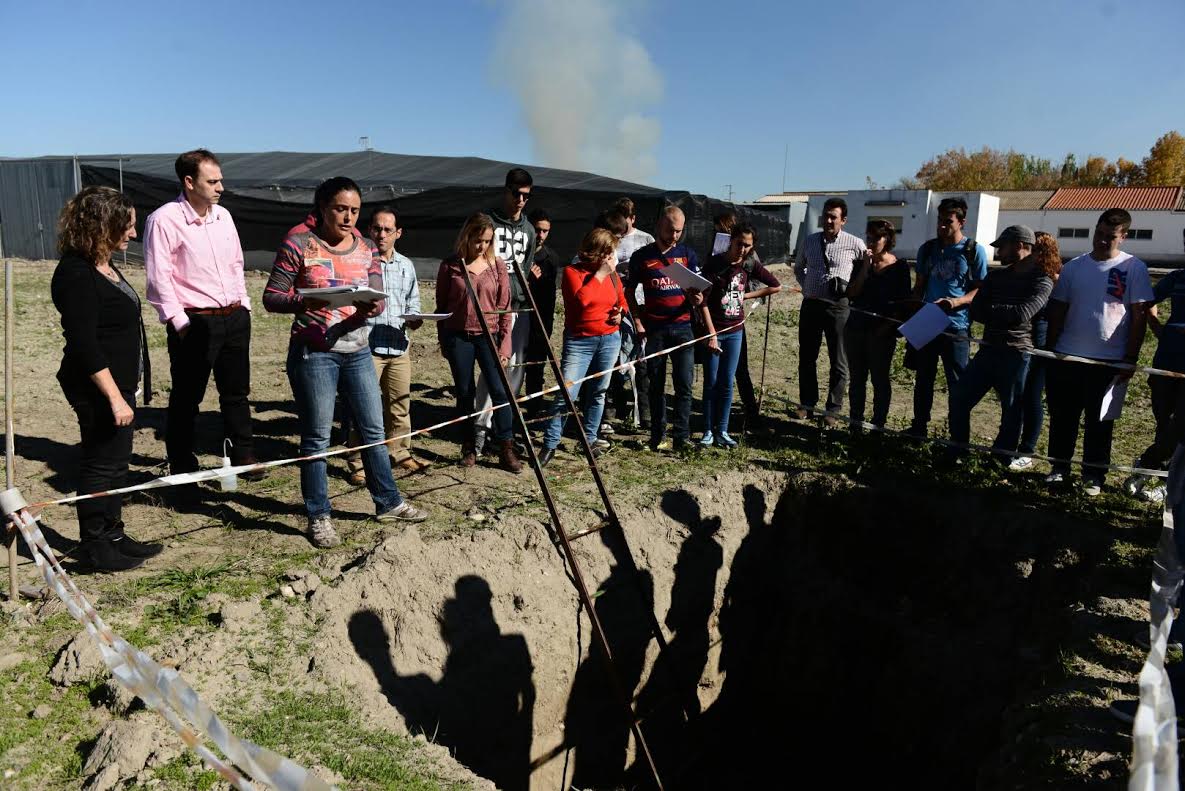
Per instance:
x=823, y=270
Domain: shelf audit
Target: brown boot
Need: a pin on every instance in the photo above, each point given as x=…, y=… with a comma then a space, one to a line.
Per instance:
x=507, y=458
x=468, y=454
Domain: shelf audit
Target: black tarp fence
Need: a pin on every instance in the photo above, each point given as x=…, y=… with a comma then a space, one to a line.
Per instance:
x=432, y=218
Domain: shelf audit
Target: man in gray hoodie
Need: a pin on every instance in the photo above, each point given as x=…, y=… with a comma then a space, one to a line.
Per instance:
x=514, y=243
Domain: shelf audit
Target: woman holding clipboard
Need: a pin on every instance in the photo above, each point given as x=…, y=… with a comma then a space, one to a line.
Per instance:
x=329, y=353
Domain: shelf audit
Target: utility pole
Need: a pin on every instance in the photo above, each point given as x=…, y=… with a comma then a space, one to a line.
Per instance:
x=364, y=143
x=728, y=187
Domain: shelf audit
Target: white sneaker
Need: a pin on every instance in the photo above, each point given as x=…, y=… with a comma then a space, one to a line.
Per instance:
x=606, y=429
x=1055, y=477
x=1153, y=492
x=1020, y=464
x=404, y=512
x=321, y=532
x=1092, y=488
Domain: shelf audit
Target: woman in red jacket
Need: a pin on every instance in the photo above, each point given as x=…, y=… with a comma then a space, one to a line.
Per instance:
x=460, y=335
x=593, y=306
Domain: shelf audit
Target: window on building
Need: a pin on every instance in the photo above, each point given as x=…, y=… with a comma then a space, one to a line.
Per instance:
x=1073, y=233
x=1139, y=233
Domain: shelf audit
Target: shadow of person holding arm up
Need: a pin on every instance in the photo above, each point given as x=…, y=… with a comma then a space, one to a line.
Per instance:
x=482, y=708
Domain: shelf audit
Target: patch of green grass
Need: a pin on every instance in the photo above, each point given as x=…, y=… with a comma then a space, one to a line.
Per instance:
x=325, y=729
x=32, y=746
x=184, y=772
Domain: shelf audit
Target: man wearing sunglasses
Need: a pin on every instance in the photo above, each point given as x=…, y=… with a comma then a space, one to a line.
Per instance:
x=514, y=243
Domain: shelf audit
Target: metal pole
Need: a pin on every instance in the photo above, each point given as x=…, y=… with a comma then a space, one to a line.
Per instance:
x=125, y=252
x=9, y=438
x=769, y=306
x=623, y=695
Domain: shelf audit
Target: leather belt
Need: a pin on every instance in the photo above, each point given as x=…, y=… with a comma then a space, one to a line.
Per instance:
x=225, y=311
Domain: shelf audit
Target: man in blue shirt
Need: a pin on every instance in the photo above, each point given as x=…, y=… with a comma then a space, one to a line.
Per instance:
x=1168, y=393
x=389, y=344
x=949, y=271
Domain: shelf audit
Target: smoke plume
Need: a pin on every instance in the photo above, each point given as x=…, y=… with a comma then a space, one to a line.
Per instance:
x=584, y=82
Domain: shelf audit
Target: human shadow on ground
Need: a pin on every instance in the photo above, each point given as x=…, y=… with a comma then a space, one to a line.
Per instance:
x=482, y=708
x=595, y=727
x=669, y=703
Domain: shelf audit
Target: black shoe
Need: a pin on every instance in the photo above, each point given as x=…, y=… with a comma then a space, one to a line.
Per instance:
x=600, y=450
x=104, y=555
x=253, y=475
x=137, y=549
x=545, y=456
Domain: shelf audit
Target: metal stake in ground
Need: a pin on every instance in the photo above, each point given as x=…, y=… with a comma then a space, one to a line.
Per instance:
x=9, y=437
x=769, y=306
x=560, y=534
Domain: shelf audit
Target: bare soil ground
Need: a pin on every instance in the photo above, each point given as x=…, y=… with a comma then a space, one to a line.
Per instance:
x=311, y=675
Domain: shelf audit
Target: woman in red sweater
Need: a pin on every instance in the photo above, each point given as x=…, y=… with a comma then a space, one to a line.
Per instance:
x=593, y=306
x=461, y=337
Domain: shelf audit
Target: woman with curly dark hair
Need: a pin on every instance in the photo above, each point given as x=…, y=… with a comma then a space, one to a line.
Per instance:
x=880, y=283
x=1049, y=260
x=104, y=358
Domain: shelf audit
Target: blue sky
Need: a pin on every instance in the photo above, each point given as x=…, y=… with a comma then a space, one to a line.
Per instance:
x=855, y=89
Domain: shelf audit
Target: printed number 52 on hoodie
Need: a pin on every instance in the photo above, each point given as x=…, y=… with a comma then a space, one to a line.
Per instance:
x=510, y=246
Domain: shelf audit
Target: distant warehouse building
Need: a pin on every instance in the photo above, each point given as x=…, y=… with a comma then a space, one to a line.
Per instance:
x=1070, y=213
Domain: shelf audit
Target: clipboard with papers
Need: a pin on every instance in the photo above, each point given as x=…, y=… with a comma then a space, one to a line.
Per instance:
x=341, y=296
x=686, y=279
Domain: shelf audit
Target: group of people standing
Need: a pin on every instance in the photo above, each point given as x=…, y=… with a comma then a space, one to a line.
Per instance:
x=499, y=273
x=1097, y=306
x=625, y=308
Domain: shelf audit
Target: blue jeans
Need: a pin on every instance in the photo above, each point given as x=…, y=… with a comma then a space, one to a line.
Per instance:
x=719, y=372
x=464, y=352
x=583, y=357
x=955, y=353
x=1034, y=397
x=662, y=337
x=998, y=368
x=317, y=378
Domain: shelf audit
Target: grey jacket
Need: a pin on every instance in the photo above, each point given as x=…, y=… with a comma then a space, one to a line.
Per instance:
x=514, y=243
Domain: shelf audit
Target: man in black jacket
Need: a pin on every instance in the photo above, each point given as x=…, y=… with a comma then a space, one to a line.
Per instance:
x=541, y=280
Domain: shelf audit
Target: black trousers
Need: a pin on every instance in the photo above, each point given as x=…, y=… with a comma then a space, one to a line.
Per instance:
x=106, y=450
x=1168, y=408
x=214, y=344
x=1074, y=391
x=744, y=380
x=819, y=320
x=537, y=366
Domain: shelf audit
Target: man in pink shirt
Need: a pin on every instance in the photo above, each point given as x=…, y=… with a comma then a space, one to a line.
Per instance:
x=194, y=263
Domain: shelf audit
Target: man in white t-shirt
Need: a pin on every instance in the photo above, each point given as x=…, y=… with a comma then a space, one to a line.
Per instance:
x=1098, y=310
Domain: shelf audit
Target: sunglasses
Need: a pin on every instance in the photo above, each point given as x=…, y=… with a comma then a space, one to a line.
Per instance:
x=523, y=196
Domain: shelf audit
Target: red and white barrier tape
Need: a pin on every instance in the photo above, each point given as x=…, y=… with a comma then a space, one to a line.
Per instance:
x=162, y=689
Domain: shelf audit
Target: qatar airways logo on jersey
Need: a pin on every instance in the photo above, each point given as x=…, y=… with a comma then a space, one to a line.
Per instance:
x=510, y=245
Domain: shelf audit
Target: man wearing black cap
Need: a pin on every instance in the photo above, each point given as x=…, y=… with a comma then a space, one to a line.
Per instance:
x=1007, y=301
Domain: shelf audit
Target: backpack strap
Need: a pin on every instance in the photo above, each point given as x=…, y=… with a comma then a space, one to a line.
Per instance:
x=924, y=253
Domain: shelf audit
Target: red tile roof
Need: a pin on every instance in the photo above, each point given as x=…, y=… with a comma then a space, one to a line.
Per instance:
x=1103, y=198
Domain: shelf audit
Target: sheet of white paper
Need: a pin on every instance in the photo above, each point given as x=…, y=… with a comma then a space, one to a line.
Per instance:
x=721, y=243
x=340, y=296
x=925, y=325
x=685, y=277
x=1113, y=400
x=425, y=316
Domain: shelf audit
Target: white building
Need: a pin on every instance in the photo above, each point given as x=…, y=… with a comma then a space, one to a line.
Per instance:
x=913, y=213
x=1070, y=214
